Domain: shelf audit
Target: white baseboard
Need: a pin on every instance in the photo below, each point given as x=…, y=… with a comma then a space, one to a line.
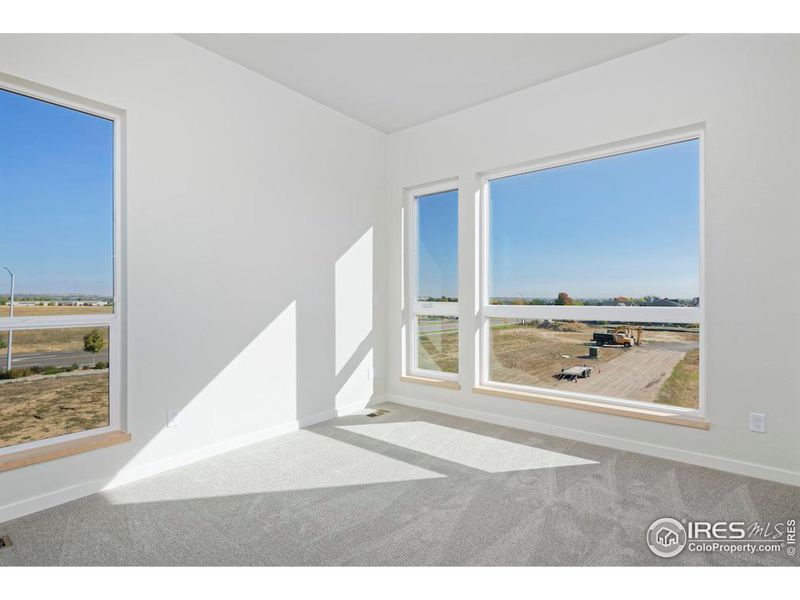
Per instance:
x=693, y=458
x=317, y=418
x=349, y=409
x=49, y=500
x=129, y=475
x=186, y=458
x=54, y=498
x=340, y=411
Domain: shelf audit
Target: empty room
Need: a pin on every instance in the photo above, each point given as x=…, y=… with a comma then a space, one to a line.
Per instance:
x=399, y=299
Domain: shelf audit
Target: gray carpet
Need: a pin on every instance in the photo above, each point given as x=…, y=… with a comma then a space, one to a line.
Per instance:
x=407, y=488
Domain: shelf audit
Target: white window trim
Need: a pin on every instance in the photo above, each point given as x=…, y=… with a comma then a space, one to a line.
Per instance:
x=115, y=321
x=593, y=313
x=414, y=306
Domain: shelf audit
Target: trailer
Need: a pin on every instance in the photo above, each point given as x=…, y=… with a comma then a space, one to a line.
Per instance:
x=575, y=373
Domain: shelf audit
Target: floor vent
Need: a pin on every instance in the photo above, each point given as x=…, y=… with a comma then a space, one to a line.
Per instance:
x=378, y=413
x=5, y=541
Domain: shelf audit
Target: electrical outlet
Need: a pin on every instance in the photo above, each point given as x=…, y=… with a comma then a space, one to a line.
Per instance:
x=370, y=373
x=173, y=417
x=758, y=422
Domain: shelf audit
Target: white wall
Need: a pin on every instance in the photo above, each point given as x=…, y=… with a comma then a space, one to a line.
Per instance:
x=251, y=214
x=745, y=90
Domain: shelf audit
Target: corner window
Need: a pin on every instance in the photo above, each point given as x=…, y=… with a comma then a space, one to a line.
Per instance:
x=59, y=268
x=591, y=277
x=432, y=299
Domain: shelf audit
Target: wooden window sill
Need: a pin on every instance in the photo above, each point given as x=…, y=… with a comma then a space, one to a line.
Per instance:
x=25, y=458
x=442, y=383
x=646, y=414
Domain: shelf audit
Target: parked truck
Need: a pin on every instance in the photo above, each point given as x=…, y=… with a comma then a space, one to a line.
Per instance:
x=619, y=336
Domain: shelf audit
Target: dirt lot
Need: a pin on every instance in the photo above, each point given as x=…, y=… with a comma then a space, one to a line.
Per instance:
x=660, y=370
x=635, y=374
x=34, y=410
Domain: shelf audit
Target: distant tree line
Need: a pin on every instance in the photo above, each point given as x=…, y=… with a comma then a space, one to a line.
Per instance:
x=439, y=299
x=564, y=299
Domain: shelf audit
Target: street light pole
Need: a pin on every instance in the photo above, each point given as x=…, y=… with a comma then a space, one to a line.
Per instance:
x=10, y=314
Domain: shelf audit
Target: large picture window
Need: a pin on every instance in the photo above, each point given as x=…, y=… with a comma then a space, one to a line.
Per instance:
x=59, y=271
x=432, y=269
x=591, y=277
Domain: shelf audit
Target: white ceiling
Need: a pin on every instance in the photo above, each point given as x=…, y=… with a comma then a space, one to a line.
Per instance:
x=395, y=81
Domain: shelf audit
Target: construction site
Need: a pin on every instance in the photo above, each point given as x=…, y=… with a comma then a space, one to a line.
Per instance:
x=658, y=364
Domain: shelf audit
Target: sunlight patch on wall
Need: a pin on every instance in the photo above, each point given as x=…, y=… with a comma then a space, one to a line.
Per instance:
x=255, y=390
x=472, y=450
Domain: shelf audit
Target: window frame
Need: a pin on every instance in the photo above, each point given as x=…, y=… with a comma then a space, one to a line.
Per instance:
x=632, y=314
x=114, y=321
x=414, y=306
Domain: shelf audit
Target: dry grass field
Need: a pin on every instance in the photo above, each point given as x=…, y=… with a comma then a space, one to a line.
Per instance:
x=438, y=345
x=683, y=384
x=39, y=407
x=50, y=340
x=35, y=409
x=664, y=368
x=49, y=311
x=28, y=341
x=528, y=355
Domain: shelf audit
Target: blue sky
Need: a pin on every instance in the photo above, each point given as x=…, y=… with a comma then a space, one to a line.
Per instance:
x=56, y=198
x=437, y=224
x=625, y=225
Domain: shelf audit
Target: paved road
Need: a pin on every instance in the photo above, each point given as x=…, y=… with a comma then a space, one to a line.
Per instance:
x=433, y=327
x=54, y=359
